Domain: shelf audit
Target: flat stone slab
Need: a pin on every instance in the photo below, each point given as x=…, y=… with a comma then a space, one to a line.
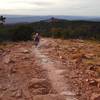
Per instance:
x=53, y=97
x=49, y=97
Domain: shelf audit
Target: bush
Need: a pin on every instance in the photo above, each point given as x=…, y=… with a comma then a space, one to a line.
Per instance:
x=4, y=34
x=56, y=32
x=22, y=33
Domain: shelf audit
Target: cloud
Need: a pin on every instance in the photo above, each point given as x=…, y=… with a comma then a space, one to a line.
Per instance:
x=43, y=3
x=26, y=4
x=61, y=7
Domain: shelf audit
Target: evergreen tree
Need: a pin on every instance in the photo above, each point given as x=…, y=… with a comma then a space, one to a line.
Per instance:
x=2, y=19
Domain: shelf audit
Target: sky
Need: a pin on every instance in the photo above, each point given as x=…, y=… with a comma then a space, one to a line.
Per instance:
x=50, y=7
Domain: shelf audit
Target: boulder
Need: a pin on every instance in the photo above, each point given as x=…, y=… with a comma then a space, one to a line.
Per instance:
x=17, y=94
x=93, y=83
x=89, y=56
x=25, y=51
x=7, y=59
x=36, y=83
x=95, y=96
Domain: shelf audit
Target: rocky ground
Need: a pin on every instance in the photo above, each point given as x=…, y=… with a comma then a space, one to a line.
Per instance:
x=29, y=73
x=20, y=76
x=82, y=60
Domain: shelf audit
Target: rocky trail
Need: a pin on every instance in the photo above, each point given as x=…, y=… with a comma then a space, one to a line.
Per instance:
x=56, y=70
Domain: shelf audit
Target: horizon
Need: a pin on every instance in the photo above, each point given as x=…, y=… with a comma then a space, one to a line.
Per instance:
x=36, y=18
x=50, y=7
x=49, y=15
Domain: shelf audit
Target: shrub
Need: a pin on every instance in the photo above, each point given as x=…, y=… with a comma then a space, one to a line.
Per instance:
x=22, y=33
x=4, y=34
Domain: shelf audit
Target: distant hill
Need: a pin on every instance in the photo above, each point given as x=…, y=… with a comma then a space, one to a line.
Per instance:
x=24, y=19
x=53, y=19
x=11, y=19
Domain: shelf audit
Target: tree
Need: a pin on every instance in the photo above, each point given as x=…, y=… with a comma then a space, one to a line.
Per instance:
x=2, y=19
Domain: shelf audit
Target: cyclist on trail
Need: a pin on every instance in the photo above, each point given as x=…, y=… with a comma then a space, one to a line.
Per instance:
x=36, y=39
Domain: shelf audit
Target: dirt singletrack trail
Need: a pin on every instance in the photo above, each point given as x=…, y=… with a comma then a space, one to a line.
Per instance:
x=54, y=73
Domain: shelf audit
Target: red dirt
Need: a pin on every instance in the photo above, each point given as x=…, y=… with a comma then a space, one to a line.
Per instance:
x=81, y=60
x=23, y=76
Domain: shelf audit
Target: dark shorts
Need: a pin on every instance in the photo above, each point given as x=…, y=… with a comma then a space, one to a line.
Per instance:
x=36, y=39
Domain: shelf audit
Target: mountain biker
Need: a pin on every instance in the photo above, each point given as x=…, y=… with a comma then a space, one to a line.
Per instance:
x=36, y=39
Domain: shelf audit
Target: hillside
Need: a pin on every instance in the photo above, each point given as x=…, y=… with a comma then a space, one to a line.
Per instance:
x=51, y=27
x=59, y=28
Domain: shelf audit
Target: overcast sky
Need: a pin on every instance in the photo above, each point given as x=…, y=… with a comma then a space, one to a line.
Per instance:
x=51, y=7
